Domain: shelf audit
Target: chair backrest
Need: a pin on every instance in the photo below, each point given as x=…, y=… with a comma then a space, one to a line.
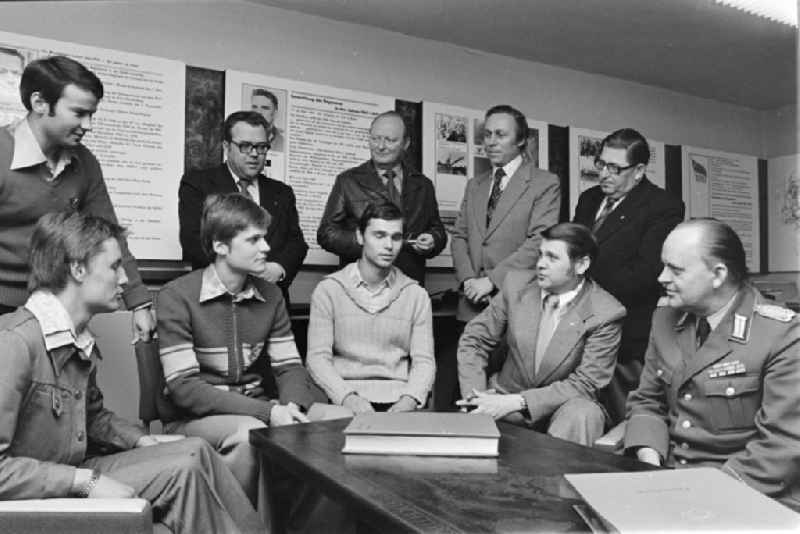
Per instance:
x=153, y=401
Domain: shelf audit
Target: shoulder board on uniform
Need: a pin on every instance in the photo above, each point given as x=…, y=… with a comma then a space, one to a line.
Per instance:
x=771, y=311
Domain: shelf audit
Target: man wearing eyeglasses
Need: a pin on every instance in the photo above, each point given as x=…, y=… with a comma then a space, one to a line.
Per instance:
x=630, y=217
x=246, y=145
x=386, y=177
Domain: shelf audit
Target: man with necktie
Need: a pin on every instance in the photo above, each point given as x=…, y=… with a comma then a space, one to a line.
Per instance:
x=387, y=176
x=246, y=145
x=719, y=385
x=498, y=227
x=562, y=330
x=630, y=217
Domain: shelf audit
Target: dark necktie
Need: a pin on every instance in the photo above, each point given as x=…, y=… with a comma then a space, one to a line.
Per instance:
x=391, y=189
x=494, y=196
x=243, y=187
x=547, y=327
x=601, y=217
x=703, y=329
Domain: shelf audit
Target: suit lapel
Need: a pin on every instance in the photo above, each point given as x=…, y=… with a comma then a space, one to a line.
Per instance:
x=530, y=304
x=621, y=214
x=516, y=187
x=411, y=185
x=224, y=180
x=480, y=202
x=569, y=331
x=368, y=179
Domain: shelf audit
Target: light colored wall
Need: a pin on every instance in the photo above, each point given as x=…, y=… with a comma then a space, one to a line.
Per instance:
x=779, y=132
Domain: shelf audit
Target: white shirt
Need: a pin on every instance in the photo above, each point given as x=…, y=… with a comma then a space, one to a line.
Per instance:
x=509, y=168
x=28, y=153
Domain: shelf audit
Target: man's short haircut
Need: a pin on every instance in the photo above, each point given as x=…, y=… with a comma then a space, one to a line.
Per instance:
x=253, y=118
x=49, y=76
x=385, y=211
x=260, y=91
x=62, y=238
x=519, y=119
x=721, y=244
x=579, y=239
x=637, y=150
x=225, y=216
x=406, y=132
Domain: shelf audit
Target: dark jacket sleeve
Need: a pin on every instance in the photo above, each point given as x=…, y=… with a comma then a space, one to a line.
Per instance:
x=336, y=233
x=435, y=226
x=291, y=255
x=190, y=208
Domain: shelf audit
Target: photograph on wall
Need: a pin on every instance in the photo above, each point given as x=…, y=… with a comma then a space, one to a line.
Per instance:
x=137, y=133
x=584, y=148
x=453, y=152
x=783, y=213
x=271, y=104
x=324, y=131
x=724, y=186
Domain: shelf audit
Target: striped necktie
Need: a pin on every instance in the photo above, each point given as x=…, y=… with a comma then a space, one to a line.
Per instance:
x=391, y=189
x=494, y=196
x=601, y=217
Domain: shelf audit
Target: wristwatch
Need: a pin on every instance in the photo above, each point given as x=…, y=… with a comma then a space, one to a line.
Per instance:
x=86, y=488
x=523, y=404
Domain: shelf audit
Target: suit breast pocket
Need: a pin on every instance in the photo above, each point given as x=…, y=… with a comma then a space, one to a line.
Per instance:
x=733, y=401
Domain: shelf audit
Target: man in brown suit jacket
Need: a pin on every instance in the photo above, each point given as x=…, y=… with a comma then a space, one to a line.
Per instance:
x=563, y=332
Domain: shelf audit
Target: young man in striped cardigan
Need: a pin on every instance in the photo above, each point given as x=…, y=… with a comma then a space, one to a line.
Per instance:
x=225, y=335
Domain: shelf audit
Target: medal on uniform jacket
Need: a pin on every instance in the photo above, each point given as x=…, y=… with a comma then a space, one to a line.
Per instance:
x=721, y=369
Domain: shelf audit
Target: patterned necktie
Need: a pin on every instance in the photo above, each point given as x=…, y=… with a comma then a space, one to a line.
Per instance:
x=244, y=185
x=547, y=327
x=391, y=189
x=495, y=194
x=601, y=217
x=702, y=332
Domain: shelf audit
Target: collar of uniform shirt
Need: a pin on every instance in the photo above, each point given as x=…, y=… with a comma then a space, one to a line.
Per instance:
x=564, y=298
x=715, y=318
x=28, y=153
x=212, y=287
x=56, y=324
x=509, y=168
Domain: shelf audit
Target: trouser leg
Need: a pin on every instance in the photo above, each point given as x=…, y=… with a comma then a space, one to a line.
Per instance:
x=190, y=488
x=578, y=420
x=445, y=385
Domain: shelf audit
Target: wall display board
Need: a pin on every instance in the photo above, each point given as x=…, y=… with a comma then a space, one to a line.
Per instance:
x=453, y=152
x=137, y=132
x=584, y=146
x=321, y=132
x=783, y=213
x=724, y=186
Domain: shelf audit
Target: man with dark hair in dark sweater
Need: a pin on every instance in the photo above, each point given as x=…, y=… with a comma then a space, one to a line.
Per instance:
x=225, y=335
x=44, y=168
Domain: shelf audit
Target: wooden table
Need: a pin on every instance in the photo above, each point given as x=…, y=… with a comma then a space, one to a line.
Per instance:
x=523, y=490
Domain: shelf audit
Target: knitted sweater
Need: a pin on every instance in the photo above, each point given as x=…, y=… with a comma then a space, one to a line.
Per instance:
x=380, y=352
x=25, y=195
x=220, y=355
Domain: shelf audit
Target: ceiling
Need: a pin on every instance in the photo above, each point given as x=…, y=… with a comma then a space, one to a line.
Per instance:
x=690, y=46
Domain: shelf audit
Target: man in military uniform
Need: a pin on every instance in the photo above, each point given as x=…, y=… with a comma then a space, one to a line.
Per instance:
x=721, y=372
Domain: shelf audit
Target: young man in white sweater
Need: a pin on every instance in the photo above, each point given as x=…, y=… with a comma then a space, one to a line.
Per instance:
x=370, y=336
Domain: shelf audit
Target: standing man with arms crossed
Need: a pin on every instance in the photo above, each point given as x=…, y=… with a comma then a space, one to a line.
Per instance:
x=503, y=213
x=721, y=372
x=44, y=167
x=386, y=177
x=245, y=142
x=630, y=217
x=53, y=425
x=563, y=332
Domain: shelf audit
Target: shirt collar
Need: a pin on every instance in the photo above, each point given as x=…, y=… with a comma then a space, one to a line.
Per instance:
x=564, y=298
x=358, y=281
x=56, y=324
x=212, y=287
x=715, y=318
x=28, y=153
x=237, y=179
x=511, y=167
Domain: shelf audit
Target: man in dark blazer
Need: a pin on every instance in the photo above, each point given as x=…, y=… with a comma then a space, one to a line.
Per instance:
x=630, y=217
x=563, y=332
x=245, y=144
x=386, y=177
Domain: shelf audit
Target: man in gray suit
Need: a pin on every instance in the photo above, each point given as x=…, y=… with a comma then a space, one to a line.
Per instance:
x=502, y=215
x=563, y=332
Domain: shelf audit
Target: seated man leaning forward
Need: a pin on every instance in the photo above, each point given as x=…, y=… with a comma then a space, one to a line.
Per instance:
x=56, y=438
x=563, y=332
x=370, y=336
x=721, y=372
x=223, y=331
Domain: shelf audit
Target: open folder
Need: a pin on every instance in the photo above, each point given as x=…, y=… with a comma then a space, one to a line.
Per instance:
x=682, y=500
